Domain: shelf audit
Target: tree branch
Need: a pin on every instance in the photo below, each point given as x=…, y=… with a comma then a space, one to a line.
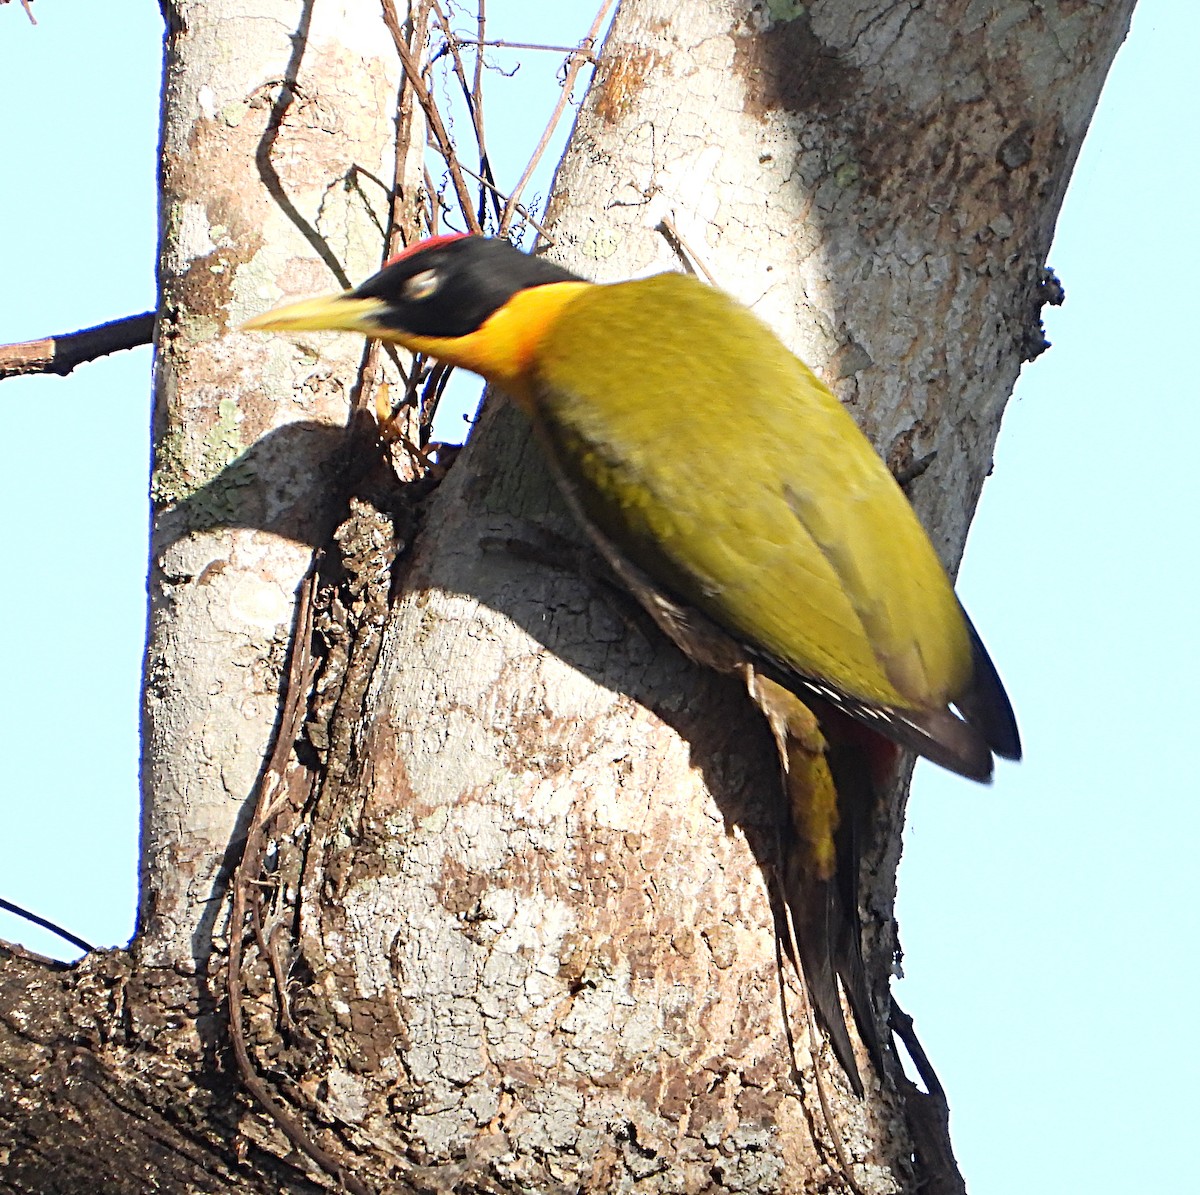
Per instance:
x=60, y=354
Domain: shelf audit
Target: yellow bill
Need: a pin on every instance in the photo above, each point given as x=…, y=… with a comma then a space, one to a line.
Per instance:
x=326, y=313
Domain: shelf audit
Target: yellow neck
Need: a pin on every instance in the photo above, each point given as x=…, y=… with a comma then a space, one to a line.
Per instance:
x=503, y=348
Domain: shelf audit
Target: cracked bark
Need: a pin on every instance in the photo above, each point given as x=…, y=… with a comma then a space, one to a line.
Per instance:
x=514, y=886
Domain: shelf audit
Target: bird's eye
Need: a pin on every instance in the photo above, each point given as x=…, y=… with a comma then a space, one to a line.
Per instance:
x=421, y=286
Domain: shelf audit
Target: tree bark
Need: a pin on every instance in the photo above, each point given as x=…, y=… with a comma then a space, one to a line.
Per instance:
x=112, y=1081
x=509, y=925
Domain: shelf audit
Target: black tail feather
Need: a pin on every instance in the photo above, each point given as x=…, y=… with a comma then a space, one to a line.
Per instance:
x=814, y=938
x=986, y=706
x=827, y=927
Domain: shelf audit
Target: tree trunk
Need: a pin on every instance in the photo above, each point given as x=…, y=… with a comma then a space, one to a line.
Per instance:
x=503, y=920
x=272, y=183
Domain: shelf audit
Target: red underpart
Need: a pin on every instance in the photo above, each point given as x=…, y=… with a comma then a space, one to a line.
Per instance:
x=881, y=751
x=428, y=243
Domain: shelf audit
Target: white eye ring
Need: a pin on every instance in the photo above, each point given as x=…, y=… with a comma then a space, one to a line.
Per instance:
x=422, y=286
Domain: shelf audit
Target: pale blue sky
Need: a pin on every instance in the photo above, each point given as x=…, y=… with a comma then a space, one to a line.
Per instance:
x=1047, y=921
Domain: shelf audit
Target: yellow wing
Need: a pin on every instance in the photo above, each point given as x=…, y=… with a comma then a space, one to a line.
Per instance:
x=729, y=473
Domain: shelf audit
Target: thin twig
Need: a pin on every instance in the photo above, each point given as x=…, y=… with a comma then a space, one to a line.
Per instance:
x=435, y=387
x=580, y=57
x=521, y=209
x=28, y=11
x=60, y=354
x=481, y=29
x=485, y=166
x=65, y=934
x=436, y=126
x=526, y=45
x=272, y=953
x=473, y=98
x=691, y=258
x=405, y=221
x=435, y=206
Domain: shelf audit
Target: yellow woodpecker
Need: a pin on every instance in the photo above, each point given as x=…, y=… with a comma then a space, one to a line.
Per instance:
x=734, y=495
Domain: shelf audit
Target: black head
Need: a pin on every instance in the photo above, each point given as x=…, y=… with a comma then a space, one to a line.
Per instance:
x=448, y=286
